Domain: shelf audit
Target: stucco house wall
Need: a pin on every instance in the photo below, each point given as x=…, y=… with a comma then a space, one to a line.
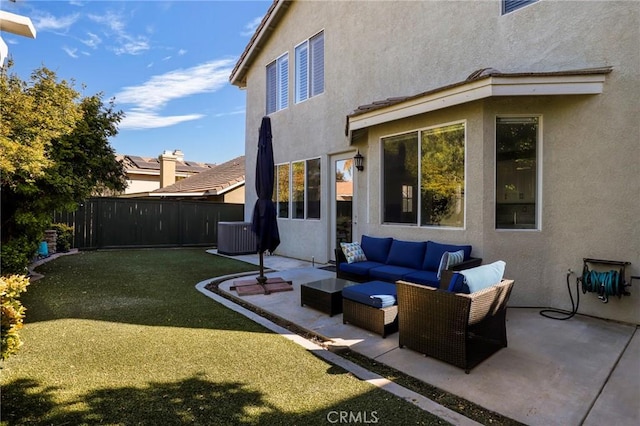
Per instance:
x=590, y=144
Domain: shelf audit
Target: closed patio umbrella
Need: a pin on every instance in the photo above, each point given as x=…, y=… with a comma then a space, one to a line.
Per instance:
x=265, y=223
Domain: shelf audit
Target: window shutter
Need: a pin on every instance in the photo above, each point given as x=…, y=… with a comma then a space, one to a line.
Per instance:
x=271, y=88
x=511, y=5
x=302, y=72
x=283, y=74
x=317, y=64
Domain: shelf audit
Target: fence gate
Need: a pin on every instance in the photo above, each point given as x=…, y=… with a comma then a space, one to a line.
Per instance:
x=124, y=222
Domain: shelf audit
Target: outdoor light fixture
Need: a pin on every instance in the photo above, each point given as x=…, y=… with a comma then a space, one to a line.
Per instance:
x=359, y=161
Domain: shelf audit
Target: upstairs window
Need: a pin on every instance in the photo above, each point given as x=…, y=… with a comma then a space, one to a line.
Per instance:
x=511, y=5
x=278, y=84
x=309, y=68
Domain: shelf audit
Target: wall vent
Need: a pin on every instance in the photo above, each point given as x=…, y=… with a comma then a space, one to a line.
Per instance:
x=236, y=238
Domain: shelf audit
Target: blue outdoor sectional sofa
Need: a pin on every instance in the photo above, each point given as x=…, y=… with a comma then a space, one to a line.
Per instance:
x=390, y=260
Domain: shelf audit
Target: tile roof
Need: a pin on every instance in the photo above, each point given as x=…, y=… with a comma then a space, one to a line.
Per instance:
x=135, y=163
x=271, y=18
x=215, y=180
x=480, y=74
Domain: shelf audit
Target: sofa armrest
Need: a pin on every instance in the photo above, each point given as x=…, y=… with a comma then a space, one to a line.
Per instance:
x=340, y=257
x=445, y=275
x=488, y=301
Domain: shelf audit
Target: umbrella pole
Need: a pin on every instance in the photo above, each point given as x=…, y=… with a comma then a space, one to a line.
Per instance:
x=261, y=279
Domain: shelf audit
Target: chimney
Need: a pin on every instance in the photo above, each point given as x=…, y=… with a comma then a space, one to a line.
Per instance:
x=178, y=153
x=167, y=168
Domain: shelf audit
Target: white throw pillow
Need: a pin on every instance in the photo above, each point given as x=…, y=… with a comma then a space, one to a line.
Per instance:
x=484, y=276
x=448, y=259
x=353, y=252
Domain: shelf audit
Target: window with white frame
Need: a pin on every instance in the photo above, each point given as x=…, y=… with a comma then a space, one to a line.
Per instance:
x=282, y=190
x=429, y=162
x=299, y=182
x=511, y=5
x=517, y=148
x=278, y=84
x=309, y=68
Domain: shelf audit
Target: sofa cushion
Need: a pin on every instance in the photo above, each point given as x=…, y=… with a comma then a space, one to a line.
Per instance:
x=457, y=284
x=363, y=293
x=409, y=254
x=376, y=249
x=390, y=273
x=450, y=258
x=426, y=278
x=484, y=276
x=353, y=252
x=434, y=253
x=359, y=268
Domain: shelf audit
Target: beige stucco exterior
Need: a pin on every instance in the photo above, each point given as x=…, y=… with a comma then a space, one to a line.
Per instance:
x=590, y=143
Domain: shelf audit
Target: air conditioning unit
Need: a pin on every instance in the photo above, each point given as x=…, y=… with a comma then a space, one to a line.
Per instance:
x=236, y=238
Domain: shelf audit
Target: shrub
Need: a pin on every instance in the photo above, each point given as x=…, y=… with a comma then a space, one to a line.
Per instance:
x=16, y=255
x=12, y=312
x=64, y=239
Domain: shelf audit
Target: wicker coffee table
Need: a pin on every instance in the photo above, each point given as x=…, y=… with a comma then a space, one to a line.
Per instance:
x=324, y=295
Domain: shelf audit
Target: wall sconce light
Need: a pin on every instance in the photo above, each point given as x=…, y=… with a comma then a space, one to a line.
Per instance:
x=359, y=161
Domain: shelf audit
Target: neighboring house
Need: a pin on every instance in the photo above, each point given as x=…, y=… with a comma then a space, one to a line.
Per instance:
x=223, y=183
x=148, y=174
x=509, y=125
x=15, y=24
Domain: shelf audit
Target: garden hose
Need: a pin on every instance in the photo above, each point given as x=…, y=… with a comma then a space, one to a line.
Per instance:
x=574, y=306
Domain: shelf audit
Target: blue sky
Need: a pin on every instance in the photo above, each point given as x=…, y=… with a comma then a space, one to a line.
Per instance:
x=166, y=63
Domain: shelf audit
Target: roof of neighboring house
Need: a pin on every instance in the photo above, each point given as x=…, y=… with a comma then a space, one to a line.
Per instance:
x=214, y=181
x=267, y=26
x=151, y=165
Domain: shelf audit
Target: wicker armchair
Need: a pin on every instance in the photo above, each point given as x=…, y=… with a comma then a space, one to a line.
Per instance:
x=460, y=329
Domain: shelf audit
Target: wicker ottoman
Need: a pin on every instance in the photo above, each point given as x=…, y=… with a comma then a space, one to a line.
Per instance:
x=359, y=309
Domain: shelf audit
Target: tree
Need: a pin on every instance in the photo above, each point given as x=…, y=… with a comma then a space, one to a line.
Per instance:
x=54, y=153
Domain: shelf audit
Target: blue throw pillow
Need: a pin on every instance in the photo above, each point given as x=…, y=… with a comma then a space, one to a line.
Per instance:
x=484, y=276
x=376, y=249
x=457, y=284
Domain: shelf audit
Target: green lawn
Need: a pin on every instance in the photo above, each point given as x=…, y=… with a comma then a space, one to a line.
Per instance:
x=123, y=338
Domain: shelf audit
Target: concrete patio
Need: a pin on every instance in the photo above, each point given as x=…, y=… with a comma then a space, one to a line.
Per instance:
x=582, y=371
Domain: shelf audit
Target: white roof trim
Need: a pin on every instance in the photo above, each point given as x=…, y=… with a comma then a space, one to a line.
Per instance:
x=481, y=89
x=227, y=189
x=16, y=24
x=177, y=194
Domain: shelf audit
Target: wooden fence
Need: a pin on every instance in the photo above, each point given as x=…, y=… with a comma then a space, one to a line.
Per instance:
x=134, y=223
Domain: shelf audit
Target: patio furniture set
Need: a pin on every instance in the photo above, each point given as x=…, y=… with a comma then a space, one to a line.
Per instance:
x=442, y=302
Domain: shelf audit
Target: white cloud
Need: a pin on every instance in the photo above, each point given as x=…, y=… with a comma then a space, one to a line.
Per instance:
x=160, y=89
x=92, y=40
x=125, y=43
x=251, y=27
x=138, y=120
x=48, y=22
x=70, y=51
x=153, y=95
x=182, y=52
x=234, y=112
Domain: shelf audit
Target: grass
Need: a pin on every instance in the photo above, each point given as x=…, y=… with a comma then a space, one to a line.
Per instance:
x=123, y=337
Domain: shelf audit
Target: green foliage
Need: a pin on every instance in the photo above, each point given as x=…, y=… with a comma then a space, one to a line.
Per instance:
x=12, y=312
x=64, y=237
x=54, y=153
x=16, y=254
